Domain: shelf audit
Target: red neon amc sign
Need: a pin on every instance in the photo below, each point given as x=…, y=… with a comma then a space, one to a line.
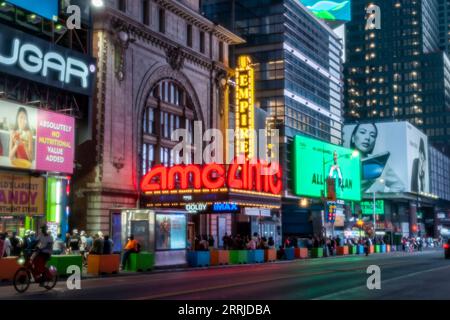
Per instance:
x=248, y=176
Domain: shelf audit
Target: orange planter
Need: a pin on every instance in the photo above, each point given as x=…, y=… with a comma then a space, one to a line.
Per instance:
x=342, y=251
x=8, y=267
x=301, y=253
x=372, y=249
x=108, y=263
x=270, y=255
x=388, y=248
x=220, y=257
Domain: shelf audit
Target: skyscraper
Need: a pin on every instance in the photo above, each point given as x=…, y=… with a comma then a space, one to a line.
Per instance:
x=298, y=71
x=398, y=71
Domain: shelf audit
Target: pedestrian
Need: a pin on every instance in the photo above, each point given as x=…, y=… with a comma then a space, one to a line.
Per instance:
x=7, y=246
x=131, y=246
x=83, y=244
x=59, y=247
x=16, y=245
x=107, y=245
x=271, y=243
x=367, y=247
x=211, y=241
x=204, y=244
x=2, y=245
x=30, y=244
x=97, y=248
x=74, y=242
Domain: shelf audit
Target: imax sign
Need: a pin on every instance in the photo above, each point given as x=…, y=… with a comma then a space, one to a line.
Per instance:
x=37, y=60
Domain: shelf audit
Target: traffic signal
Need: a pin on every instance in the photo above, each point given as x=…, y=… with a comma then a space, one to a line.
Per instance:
x=330, y=215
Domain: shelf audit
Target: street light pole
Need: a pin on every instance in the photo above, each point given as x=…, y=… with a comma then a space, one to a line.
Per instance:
x=374, y=218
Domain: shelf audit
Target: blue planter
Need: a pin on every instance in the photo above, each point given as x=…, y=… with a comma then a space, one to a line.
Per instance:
x=360, y=249
x=383, y=248
x=255, y=256
x=198, y=258
x=289, y=253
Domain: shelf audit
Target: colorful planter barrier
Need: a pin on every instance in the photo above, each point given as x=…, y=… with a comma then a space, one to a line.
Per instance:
x=198, y=258
x=142, y=261
x=238, y=256
x=8, y=267
x=383, y=248
x=388, y=248
x=107, y=263
x=317, y=252
x=255, y=256
x=62, y=263
x=270, y=255
x=352, y=249
x=220, y=257
x=301, y=253
x=360, y=249
x=372, y=249
x=342, y=251
x=377, y=248
x=289, y=253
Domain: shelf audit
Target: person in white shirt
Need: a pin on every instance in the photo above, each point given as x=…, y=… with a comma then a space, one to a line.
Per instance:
x=44, y=246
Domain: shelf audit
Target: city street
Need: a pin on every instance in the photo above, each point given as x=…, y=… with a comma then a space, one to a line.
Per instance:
x=421, y=275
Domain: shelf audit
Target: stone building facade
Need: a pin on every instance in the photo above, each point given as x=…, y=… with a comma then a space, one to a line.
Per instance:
x=161, y=66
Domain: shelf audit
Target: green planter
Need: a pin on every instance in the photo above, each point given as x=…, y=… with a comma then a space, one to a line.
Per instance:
x=352, y=250
x=238, y=256
x=317, y=252
x=142, y=261
x=61, y=263
x=377, y=248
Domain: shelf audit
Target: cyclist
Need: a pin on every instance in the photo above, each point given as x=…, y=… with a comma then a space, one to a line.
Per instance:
x=44, y=248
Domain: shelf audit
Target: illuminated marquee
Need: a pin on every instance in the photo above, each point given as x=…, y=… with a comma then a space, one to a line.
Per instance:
x=245, y=111
x=249, y=176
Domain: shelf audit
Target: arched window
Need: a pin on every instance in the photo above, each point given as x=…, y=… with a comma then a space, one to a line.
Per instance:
x=168, y=108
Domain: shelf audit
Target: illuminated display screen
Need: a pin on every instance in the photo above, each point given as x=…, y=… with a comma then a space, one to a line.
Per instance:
x=45, y=8
x=367, y=207
x=338, y=10
x=170, y=231
x=315, y=161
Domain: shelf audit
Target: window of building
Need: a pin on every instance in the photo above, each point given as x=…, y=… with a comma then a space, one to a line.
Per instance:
x=170, y=109
x=162, y=20
x=221, y=59
x=189, y=35
x=122, y=5
x=202, y=42
x=146, y=12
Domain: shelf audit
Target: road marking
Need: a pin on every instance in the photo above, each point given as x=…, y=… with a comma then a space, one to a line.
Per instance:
x=343, y=292
x=184, y=292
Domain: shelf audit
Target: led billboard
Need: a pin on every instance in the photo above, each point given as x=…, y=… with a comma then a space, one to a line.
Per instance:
x=315, y=161
x=45, y=8
x=36, y=139
x=390, y=165
x=338, y=10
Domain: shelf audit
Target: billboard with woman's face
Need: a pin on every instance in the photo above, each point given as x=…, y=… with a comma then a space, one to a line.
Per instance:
x=393, y=154
x=35, y=139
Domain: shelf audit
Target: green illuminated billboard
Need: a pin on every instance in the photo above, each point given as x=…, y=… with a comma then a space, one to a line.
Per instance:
x=314, y=161
x=367, y=207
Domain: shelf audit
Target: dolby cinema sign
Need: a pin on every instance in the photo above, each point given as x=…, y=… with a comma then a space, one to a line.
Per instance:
x=35, y=59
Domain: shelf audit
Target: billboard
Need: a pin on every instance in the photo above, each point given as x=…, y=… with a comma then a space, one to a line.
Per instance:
x=394, y=156
x=36, y=139
x=170, y=231
x=45, y=8
x=21, y=195
x=367, y=207
x=336, y=10
x=25, y=56
x=315, y=161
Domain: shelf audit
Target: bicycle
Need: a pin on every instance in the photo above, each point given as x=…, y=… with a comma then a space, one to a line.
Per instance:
x=26, y=274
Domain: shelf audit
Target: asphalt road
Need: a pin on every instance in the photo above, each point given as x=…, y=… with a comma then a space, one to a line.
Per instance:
x=424, y=275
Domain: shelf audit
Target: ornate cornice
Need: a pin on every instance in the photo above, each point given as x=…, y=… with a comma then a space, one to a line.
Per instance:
x=113, y=20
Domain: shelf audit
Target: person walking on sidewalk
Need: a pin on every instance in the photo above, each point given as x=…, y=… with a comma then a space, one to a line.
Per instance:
x=367, y=247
